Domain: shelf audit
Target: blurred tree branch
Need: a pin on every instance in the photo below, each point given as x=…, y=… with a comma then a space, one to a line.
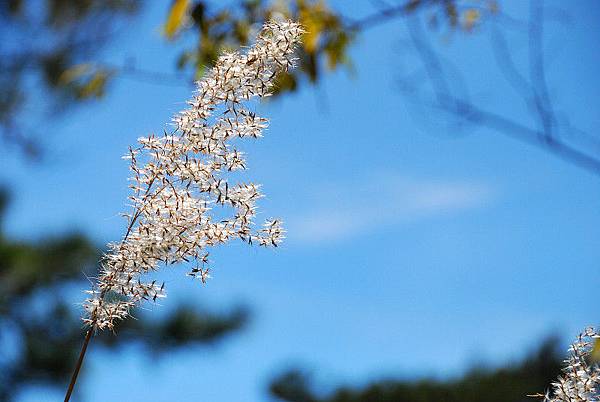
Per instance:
x=41, y=332
x=534, y=92
x=511, y=383
x=45, y=49
x=70, y=73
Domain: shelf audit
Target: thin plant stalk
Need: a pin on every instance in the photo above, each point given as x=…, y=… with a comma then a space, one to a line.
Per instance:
x=178, y=178
x=90, y=331
x=88, y=336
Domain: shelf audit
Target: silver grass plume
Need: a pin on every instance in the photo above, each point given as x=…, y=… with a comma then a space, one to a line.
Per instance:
x=178, y=177
x=580, y=379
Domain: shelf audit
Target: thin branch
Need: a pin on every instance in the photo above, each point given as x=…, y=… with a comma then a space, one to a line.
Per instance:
x=433, y=66
x=130, y=71
x=505, y=62
x=476, y=115
x=385, y=14
x=12, y=134
x=544, y=138
x=537, y=73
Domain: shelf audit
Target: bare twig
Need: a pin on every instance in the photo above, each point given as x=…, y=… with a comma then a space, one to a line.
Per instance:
x=534, y=92
x=476, y=115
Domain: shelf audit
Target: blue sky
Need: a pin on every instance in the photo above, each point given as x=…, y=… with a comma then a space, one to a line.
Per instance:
x=414, y=247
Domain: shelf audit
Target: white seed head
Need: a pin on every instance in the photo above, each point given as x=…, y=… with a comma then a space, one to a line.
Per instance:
x=180, y=178
x=580, y=380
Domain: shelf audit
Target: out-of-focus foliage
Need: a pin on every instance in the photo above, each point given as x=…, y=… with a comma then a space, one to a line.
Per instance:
x=40, y=328
x=47, y=57
x=176, y=17
x=595, y=356
x=328, y=36
x=50, y=53
x=511, y=383
x=217, y=28
x=50, y=57
x=460, y=15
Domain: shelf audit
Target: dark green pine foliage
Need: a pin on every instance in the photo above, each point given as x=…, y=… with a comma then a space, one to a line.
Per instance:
x=40, y=329
x=510, y=383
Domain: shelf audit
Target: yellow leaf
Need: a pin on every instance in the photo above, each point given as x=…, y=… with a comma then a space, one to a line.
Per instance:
x=312, y=17
x=470, y=18
x=595, y=355
x=74, y=72
x=311, y=38
x=176, y=17
x=95, y=86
